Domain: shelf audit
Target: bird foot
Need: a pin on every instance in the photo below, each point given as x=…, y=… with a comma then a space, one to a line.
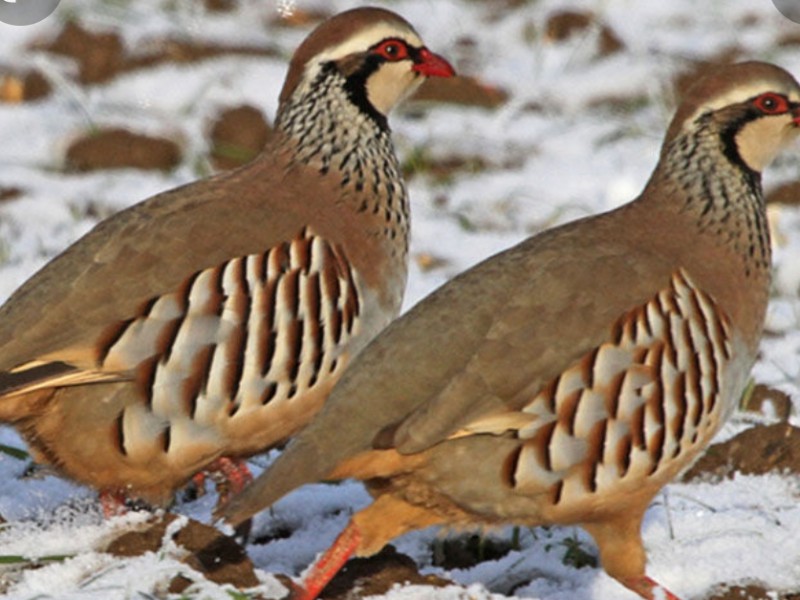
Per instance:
x=648, y=589
x=328, y=565
x=116, y=503
x=113, y=502
x=230, y=476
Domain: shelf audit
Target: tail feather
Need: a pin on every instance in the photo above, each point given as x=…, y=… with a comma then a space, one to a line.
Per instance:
x=342, y=430
x=301, y=463
x=37, y=376
x=24, y=389
x=26, y=379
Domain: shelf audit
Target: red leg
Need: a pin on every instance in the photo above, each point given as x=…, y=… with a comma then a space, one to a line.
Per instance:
x=199, y=482
x=230, y=476
x=648, y=589
x=329, y=564
x=113, y=503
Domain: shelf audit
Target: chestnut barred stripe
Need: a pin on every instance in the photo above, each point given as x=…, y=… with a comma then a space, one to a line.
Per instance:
x=255, y=330
x=631, y=406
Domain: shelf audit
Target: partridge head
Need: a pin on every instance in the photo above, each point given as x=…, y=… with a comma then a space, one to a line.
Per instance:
x=567, y=379
x=211, y=320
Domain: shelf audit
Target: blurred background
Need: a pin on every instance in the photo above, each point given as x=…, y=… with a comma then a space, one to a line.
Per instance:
x=558, y=113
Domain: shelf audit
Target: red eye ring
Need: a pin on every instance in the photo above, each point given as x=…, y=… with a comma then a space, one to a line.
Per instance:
x=771, y=103
x=392, y=50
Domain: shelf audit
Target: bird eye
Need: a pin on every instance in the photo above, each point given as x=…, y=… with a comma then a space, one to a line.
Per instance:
x=771, y=104
x=392, y=50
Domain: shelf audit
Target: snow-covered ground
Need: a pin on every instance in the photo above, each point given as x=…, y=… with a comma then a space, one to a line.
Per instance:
x=579, y=134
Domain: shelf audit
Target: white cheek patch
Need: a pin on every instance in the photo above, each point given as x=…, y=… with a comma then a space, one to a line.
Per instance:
x=390, y=84
x=760, y=141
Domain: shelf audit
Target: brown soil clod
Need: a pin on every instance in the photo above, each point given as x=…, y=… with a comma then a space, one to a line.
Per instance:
x=563, y=24
x=217, y=556
x=298, y=17
x=119, y=148
x=768, y=402
x=101, y=56
x=27, y=87
x=788, y=194
x=377, y=575
x=466, y=91
x=749, y=592
x=9, y=193
x=220, y=5
x=755, y=451
x=237, y=136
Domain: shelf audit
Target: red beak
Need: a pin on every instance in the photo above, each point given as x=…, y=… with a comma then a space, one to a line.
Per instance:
x=796, y=115
x=433, y=65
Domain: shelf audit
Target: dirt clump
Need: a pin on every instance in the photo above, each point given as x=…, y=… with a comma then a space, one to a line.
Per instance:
x=564, y=24
x=376, y=575
x=120, y=148
x=218, y=557
x=755, y=451
x=237, y=136
x=102, y=55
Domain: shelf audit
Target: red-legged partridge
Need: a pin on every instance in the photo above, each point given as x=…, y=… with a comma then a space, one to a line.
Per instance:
x=568, y=379
x=212, y=320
